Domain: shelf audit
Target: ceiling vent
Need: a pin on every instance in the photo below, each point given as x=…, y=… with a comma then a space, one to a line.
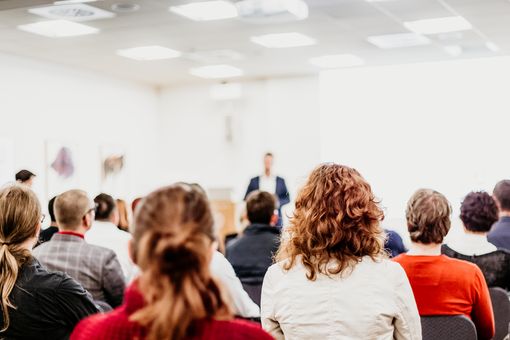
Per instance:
x=72, y=12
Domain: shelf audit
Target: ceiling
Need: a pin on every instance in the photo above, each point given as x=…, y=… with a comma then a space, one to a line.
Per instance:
x=340, y=26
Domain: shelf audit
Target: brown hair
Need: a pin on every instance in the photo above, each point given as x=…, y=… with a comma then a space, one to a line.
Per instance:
x=172, y=238
x=260, y=206
x=428, y=216
x=336, y=219
x=502, y=194
x=478, y=211
x=123, y=214
x=70, y=207
x=20, y=215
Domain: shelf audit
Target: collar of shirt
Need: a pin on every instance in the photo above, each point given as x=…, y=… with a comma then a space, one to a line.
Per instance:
x=71, y=233
x=472, y=244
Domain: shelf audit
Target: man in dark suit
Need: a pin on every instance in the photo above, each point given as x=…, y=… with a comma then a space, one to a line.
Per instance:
x=272, y=184
x=500, y=231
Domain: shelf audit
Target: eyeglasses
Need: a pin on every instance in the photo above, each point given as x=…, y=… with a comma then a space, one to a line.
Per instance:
x=42, y=218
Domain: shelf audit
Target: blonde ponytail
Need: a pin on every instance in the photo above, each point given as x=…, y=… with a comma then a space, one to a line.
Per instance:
x=20, y=213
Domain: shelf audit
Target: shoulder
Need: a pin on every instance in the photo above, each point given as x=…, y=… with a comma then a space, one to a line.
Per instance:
x=113, y=325
x=240, y=329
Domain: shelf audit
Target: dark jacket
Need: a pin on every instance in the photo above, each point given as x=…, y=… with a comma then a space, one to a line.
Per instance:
x=46, y=234
x=495, y=266
x=251, y=254
x=500, y=233
x=49, y=305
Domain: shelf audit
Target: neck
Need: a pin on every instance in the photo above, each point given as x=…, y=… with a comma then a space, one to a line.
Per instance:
x=432, y=249
x=79, y=230
x=504, y=213
x=479, y=233
x=28, y=244
x=267, y=172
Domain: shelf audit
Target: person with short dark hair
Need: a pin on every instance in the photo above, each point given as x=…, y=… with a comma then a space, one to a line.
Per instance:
x=96, y=268
x=393, y=243
x=442, y=285
x=251, y=254
x=499, y=234
x=478, y=212
x=46, y=234
x=105, y=233
x=25, y=177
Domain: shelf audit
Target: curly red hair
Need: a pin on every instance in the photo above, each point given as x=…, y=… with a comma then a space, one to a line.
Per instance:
x=336, y=220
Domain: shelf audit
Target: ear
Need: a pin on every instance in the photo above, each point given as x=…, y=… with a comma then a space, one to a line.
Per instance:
x=131, y=251
x=274, y=219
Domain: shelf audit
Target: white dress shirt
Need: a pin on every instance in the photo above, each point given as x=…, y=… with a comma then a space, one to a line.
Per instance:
x=243, y=304
x=106, y=234
x=267, y=183
x=374, y=301
x=472, y=244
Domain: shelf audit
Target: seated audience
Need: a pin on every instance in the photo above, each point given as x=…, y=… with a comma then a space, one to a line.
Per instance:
x=478, y=212
x=123, y=215
x=105, y=233
x=176, y=296
x=95, y=268
x=25, y=177
x=500, y=232
x=442, y=285
x=46, y=234
x=332, y=280
x=36, y=304
x=394, y=244
x=252, y=253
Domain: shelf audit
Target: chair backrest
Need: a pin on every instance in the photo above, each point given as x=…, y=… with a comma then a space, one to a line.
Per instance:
x=501, y=307
x=447, y=327
x=254, y=290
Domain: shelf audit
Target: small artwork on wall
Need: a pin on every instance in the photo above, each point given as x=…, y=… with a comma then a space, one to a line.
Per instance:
x=114, y=174
x=61, y=167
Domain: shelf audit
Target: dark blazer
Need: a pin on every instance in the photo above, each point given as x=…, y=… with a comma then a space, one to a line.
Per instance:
x=252, y=253
x=282, y=193
x=500, y=233
x=49, y=305
x=95, y=268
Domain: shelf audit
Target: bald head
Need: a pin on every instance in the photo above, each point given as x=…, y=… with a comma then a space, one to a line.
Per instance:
x=72, y=209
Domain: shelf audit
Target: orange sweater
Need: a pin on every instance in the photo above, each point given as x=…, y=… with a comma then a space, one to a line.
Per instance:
x=446, y=286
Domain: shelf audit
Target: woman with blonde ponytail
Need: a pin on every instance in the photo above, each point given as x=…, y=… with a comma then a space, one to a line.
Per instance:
x=175, y=296
x=35, y=304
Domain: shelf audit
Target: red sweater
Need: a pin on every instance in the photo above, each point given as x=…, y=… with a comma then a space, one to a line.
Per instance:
x=116, y=325
x=446, y=286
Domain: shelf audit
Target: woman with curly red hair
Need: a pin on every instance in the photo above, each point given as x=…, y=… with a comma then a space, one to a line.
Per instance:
x=333, y=279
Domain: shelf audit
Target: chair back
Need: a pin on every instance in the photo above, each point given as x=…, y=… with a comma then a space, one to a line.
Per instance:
x=254, y=290
x=501, y=308
x=447, y=327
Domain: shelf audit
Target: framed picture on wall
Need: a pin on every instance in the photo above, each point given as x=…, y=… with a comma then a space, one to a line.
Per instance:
x=61, y=167
x=114, y=178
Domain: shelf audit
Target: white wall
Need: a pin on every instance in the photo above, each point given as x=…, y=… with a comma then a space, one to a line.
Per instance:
x=279, y=115
x=41, y=101
x=437, y=125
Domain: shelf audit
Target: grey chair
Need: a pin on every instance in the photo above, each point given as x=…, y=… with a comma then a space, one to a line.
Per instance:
x=501, y=307
x=447, y=327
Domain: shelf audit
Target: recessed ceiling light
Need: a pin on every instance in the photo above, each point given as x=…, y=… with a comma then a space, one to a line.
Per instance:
x=153, y=52
x=438, y=25
x=283, y=40
x=453, y=50
x=398, y=40
x=74, y=12
x=249, y=9
x=206, y=10
x=216, y=71
x=58, y=28
x=65, y=2
x=337, y=61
